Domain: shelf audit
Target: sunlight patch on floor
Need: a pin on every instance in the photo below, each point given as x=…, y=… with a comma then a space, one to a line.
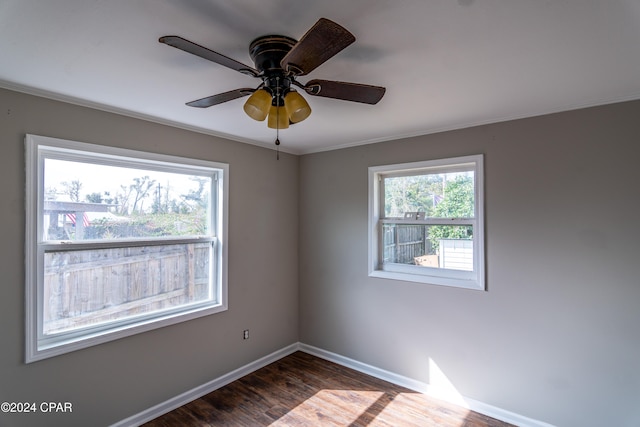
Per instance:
x=378, y=408
x=352, y=404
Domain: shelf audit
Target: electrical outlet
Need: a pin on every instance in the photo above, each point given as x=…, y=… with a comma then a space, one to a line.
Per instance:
x=245, y=334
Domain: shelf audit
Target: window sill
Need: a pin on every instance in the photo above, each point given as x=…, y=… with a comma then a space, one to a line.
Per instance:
x=40, y=351
x=429, y=279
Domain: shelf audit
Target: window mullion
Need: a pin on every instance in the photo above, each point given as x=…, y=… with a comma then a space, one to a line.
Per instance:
x=430, y=221
x=87, y=245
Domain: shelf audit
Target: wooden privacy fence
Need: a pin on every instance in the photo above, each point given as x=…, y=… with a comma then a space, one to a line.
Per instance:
x=87, y=287
x=409, y=244
x=403, y=243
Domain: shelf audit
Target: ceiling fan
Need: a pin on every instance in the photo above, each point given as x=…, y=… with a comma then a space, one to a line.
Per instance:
x=279, y=61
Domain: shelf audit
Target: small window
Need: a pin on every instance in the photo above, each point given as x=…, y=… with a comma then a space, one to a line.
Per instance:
x=119, y=242
x=426, y=222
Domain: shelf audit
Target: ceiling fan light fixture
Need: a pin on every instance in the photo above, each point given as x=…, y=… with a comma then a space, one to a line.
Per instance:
x=258, y=105
x=296, y=106
x=278, y=118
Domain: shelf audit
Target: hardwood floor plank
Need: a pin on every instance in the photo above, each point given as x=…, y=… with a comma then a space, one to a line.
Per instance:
x=302, y=390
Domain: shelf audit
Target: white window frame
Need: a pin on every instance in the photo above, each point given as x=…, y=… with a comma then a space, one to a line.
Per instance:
x=37, y=147
x=474, y=279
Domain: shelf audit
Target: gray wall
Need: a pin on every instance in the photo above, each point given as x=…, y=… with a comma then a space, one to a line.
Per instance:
x=113, y=381
x=557, y=335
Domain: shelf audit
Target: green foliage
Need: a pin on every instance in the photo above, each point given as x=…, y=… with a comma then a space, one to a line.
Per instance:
x=165, y=216
x=458, y=202
x=94, y=198
x=150, y=225
x=438, y=195
x=412, y=194
x=172, y=224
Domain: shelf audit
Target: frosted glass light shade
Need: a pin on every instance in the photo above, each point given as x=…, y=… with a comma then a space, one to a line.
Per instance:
x=258, y=105
x=297, y=107
x=278, y=118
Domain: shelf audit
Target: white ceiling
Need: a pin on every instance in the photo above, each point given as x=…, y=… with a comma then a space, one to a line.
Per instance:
x=446, y=64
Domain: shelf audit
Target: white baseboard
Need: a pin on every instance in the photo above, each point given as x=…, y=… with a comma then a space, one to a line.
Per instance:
x=424, y=388
x=186, y=397
x=421, y=387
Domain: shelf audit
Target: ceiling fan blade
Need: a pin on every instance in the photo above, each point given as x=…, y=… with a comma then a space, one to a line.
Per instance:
x=203, y=52
x=220, y=98
x=346, y=91
x=321, y=42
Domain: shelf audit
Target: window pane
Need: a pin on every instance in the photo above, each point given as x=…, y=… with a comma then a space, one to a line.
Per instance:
x=87, y=201
x=89, y=287
x=439, y=195
x=439, y=246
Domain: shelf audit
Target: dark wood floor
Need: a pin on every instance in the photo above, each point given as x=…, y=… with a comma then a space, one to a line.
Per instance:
x=303, y=390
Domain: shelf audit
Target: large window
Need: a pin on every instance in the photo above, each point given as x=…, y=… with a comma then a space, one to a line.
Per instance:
x=426, y=222
x=118, y=242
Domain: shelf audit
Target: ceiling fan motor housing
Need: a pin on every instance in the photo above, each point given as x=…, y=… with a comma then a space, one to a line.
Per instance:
x=267, y=53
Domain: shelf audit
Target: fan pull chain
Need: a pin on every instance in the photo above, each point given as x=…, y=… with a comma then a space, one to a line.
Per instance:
x=277, y=118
